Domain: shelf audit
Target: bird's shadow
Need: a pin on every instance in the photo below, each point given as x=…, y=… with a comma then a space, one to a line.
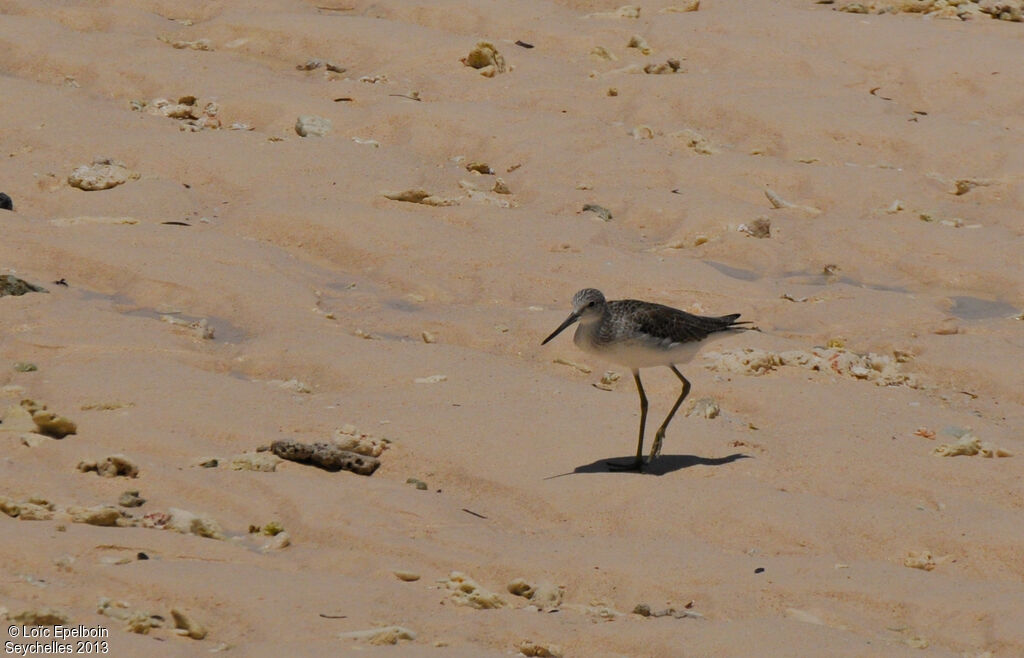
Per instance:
x=660, y=466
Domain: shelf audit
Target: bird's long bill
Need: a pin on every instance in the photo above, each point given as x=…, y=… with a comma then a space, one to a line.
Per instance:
x=569, y=320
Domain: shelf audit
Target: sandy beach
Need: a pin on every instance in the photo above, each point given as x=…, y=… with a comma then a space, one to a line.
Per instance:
x=353, y=223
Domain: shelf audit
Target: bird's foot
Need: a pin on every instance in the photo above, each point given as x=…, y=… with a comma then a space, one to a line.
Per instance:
x=656, y=446
x=628, y=465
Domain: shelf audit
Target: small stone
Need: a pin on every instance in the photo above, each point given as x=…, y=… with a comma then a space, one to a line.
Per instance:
x=428, y=337
x=23, y=366
x=187, y=626
x=102, y=174
x=188, y=523
x=101, y=516
x=309, y=125
x=255, y=461
x=33, y=440
x=380, y=636
x=325, y=455
x=130, y=498
x=277, y=542
x=5, y=202
x=406, y=576
x=480, y=168
x=53, y=425
x=485, y=58
x=12, y=285
x=208, y=462
x=501, y=187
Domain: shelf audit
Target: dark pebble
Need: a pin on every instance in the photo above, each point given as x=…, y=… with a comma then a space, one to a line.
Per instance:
x=759, y=570
x=142, y=556
x=5, y=202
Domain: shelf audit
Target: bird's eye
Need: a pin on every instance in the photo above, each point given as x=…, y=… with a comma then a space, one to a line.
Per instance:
x=590, y=304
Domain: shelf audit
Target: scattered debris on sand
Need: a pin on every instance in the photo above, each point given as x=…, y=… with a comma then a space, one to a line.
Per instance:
x=325, y=455
x=186, y=110
x=112, y=466
x=466, y=591
x=883, y=370
x=965, y=10
x=970, y=446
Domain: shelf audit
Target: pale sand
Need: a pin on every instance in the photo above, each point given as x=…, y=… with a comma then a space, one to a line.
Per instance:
x=837, y=489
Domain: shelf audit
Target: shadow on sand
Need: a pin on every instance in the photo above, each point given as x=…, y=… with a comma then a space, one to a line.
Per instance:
x=660, y=466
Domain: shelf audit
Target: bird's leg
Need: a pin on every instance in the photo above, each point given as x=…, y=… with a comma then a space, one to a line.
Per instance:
x=660, y=435
x=638, y=463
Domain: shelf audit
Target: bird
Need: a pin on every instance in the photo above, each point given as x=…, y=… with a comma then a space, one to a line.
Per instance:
x=639, y=334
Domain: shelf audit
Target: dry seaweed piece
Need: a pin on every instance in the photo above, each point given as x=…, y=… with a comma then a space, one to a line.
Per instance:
x=325, y=455
x=600, y=211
